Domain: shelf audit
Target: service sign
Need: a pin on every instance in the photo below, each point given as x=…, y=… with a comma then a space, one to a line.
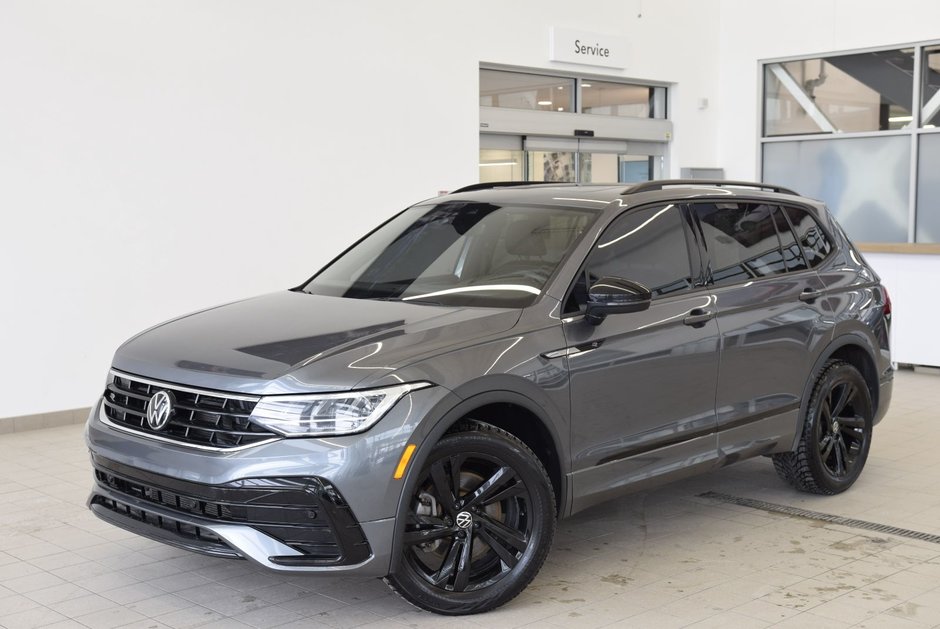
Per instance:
x=593, y=49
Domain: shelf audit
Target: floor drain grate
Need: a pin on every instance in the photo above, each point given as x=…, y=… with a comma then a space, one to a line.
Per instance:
x=824, y=517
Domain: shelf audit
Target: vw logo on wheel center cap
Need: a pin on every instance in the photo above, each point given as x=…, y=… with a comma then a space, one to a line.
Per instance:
x=159, y=409
x=464, y=519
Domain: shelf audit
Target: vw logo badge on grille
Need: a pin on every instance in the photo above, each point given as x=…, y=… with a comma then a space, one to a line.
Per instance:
x=464, y=519
x=159, y=409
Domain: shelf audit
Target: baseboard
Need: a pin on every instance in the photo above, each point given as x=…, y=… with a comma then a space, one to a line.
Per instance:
x=930, y=369
x=43, y=420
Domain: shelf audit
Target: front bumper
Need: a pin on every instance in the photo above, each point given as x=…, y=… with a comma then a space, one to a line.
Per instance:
x=292, y=505
x=275, y=522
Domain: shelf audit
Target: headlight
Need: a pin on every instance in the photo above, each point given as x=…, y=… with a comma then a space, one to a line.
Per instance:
x=328, y=414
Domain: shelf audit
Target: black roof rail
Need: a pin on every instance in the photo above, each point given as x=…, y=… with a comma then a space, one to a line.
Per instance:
x=507, y=184
x=647, y=186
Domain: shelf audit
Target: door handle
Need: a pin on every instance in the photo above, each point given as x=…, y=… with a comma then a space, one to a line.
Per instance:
x=810, y=295
x=698, y=317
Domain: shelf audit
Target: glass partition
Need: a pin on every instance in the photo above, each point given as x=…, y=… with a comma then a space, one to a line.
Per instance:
x=618, y=99
x=928, y=189
x=930, y=92
x=871, y=91
x=864, y=181
x=518, y=90
x=883, y=180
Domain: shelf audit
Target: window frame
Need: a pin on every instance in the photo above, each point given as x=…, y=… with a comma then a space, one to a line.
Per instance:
x=913, y=130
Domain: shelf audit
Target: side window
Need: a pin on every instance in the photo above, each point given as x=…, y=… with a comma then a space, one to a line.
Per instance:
x=814, y=240
x=792, y=253
x=646, y=246
x=741, y=240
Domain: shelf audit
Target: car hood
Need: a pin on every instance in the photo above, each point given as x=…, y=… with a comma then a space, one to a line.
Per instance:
x=292, y=342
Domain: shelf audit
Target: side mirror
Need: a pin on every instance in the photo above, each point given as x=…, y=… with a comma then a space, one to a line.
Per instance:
x=611, y=295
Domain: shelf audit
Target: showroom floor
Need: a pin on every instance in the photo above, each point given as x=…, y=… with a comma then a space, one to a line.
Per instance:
x=667, y=558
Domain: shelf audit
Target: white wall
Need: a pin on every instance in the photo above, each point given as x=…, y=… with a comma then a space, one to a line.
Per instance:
x=751, y=31
x=159, y=157
x=910, y=279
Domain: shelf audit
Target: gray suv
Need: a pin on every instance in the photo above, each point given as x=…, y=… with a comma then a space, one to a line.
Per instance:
x=429, y=403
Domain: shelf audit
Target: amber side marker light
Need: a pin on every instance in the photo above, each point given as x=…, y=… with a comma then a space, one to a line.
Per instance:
x=403, y=462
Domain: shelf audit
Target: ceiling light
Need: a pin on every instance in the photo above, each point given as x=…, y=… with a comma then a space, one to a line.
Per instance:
x=545, y=103
x=900, y=118
x=561, y=87
x=585, y=85
x=561, y=109
x=483, y=164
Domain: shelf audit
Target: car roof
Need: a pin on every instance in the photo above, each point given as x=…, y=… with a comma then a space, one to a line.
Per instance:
x=598, y=196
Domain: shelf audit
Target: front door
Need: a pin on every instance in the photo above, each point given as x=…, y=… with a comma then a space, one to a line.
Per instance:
x=642, y=384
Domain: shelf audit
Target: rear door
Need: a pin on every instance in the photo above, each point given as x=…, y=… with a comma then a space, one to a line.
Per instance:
x=642, y=384
x=769, y=319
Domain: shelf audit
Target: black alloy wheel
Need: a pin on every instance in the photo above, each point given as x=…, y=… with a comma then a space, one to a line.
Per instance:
x=836, y=435
x=840, y=431
x=479, y=523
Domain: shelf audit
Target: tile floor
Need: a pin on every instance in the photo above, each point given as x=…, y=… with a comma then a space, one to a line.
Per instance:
x=664, y=558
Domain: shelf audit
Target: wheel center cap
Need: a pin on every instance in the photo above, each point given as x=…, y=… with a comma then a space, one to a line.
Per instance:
x=835, y=427
x=464, y=519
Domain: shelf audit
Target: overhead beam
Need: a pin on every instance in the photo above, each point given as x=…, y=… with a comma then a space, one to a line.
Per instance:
x=931, y=107
x=802, y=98
x=887, y=73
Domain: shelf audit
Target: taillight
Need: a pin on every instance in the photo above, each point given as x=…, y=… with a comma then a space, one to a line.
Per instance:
x=887, y=307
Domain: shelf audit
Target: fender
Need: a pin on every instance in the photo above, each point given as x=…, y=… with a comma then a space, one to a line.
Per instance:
x=474, y=395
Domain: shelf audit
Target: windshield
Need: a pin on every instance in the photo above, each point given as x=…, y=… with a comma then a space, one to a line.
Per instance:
x=457, y=253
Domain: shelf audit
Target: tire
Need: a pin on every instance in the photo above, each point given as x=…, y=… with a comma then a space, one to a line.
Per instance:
x=476, y=548
x=836, y=435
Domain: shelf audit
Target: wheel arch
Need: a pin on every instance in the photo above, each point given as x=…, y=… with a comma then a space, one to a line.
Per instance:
x=507, y=409
x=854, y=348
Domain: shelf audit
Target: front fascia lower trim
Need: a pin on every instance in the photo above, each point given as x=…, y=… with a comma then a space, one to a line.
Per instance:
x=244, y=540
x=260, y=548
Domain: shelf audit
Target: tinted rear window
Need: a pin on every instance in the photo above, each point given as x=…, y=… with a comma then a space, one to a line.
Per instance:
x=816, y=244
x=742, y=241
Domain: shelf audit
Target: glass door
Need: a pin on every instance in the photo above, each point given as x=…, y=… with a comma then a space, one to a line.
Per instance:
x=569, y=160
x=502, y=165
x=618, y=168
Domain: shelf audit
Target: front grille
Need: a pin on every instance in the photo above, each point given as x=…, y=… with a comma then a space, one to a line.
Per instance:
x=199, y=418
x=305, y=513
